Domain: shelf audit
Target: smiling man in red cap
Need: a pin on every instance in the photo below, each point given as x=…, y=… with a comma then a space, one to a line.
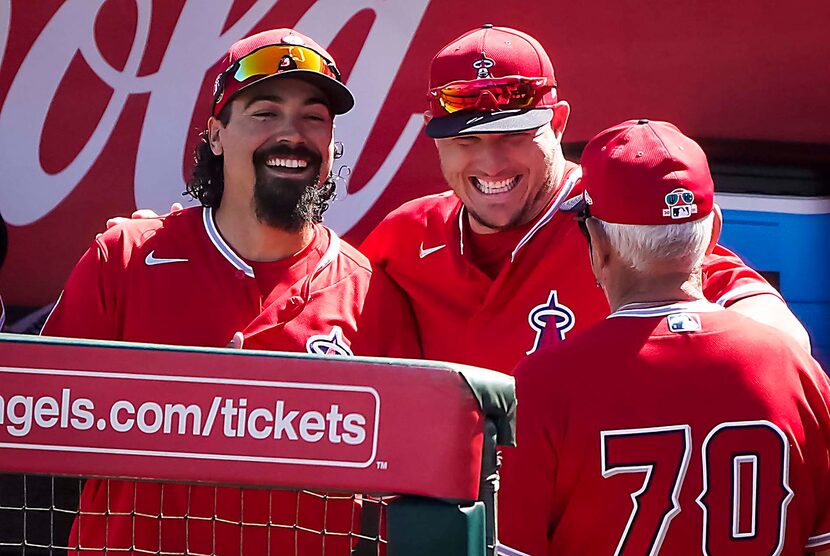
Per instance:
x=253, y=262
x=494, y=270
x=673, y=426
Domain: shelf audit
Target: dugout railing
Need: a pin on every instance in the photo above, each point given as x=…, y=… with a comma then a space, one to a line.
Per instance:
x=272, y=449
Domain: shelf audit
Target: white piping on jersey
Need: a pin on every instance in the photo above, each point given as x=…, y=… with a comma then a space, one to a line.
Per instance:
x=638, y=310
x=55, y=306
x=504, y=550
x=327, y=258
x=818, y=540
x=576, y=173
x=747, y=290
x=461, y=228
x=564, y=191
x=2, y=314
x=219, y=242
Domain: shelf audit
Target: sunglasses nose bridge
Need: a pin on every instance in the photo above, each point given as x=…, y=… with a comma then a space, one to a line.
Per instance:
x=487, y=100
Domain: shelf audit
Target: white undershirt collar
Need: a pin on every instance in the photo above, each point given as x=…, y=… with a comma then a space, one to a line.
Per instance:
x=649, y=310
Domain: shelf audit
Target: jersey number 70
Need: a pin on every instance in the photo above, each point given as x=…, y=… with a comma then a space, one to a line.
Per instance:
x=745, y=467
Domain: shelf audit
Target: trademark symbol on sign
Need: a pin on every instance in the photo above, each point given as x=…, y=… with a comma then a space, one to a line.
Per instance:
x=382, y=464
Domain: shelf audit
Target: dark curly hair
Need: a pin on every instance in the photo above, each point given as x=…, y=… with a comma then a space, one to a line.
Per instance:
x=207, y=182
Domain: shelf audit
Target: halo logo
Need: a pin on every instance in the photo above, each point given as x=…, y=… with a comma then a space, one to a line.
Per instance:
x=329, y=344
x=483, y=66
x=560, y=318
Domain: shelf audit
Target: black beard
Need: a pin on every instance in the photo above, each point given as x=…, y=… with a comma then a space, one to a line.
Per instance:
x=287, y=203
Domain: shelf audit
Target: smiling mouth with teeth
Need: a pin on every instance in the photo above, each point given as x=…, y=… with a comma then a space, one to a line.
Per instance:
x=292, y=163
x=493, y=187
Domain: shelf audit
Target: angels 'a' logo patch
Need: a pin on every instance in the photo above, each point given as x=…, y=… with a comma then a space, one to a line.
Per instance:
x=293, y=39
x=482, y=67
x=328, y=344
x=551, y=320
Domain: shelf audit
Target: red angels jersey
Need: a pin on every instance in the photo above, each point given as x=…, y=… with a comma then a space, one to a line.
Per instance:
x=545, y=294
x=174, y=280
x=679, y=429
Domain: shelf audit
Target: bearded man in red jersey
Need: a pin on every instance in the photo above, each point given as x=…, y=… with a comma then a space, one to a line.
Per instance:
x=253, y=262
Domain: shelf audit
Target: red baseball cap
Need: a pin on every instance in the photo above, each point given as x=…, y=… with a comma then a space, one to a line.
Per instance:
x=280, y=53
x=646, y=173
x=491, y=53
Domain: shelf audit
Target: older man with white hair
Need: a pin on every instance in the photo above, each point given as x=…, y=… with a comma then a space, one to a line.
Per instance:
x=673, y=426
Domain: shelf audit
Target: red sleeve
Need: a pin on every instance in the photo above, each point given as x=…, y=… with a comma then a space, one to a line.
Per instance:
x=817, y=392
x=386, y=327
x=85, y=307
x=529, y=470
x=373, y=246
x=727, y=279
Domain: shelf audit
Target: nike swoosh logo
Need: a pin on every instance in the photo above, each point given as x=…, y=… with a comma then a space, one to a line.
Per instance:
x=431, y=250
x=152, y=260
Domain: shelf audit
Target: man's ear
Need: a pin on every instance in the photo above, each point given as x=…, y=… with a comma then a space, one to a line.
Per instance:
x=214, y=138
x=600, y=244
x=717, y=226
x=561, y=113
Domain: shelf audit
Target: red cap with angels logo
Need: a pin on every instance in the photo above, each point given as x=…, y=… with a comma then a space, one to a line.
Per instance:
x=646, y=172
x=280, y=53
x=490, y=80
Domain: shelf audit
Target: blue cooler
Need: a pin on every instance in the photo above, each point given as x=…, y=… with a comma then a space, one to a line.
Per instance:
x=788, y=240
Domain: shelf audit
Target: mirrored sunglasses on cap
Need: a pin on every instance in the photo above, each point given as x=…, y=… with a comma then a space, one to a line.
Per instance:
x=675, y=196
x=514, y=92
x=272, y=60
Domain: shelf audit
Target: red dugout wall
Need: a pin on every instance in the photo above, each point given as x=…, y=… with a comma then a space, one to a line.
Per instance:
x=102, y=99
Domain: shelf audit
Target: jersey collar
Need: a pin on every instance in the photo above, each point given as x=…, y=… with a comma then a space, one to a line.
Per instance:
x=328, y=257
x=222, y=246
x=230, y=255
x=561, y=195
x=643, y=310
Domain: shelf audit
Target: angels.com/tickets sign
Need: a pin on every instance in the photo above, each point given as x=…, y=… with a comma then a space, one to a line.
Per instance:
x=207, y=418
x=101, y=101
x=153, y=412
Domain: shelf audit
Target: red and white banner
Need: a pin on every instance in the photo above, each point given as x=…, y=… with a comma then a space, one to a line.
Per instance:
x=102, y=100
x=142, y=411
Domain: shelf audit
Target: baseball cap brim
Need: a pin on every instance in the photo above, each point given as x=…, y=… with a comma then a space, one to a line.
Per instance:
x=473, y=123
x=339, y=96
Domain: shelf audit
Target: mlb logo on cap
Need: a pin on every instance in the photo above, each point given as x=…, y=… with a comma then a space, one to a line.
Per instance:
x=681, y=204
x=646, y=173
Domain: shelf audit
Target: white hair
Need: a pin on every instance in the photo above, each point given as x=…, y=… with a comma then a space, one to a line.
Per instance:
x=683, y=245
